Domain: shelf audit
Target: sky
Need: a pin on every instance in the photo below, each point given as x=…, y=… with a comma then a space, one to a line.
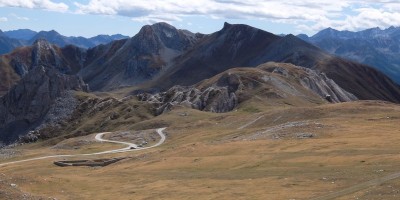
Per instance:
x=92, y=17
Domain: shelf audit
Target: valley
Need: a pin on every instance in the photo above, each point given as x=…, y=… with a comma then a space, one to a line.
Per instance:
x=347, y=144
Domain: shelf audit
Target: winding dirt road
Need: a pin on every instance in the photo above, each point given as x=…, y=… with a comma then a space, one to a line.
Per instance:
x=98, y=137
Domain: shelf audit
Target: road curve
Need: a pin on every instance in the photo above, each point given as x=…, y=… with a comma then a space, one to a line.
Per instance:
x=98, y=137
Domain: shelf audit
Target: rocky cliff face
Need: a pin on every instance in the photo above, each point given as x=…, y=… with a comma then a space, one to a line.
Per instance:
x=23, y=107
x=225, y=91
x=325, y=87
x=14, y=66
x=212, y=99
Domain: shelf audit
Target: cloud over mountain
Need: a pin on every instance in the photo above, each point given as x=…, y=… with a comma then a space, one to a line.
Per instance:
x=305, y=15
x=308, y=15
x=35, y=4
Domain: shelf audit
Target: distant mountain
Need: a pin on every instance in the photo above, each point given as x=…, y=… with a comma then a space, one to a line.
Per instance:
x=9, y=40
x=62, y=41
x=7, y=44
x=21, y=34
x=375, y=47
x=104, y=39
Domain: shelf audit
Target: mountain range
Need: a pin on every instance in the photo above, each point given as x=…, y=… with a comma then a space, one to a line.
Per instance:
x=9, y=40
x=374, y=47
x=166, y=66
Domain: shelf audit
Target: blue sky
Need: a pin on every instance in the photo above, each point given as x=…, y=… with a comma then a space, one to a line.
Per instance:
x=93, y=17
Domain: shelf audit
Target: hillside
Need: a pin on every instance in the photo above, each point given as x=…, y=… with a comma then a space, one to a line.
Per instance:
x=333, y=147
x=8, y=44
x=82, y=42
x=275, y=83
x=135, y=60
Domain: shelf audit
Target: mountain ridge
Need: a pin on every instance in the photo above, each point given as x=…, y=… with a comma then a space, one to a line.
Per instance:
x=161, y=57
x=9, y=40
x=378, y=48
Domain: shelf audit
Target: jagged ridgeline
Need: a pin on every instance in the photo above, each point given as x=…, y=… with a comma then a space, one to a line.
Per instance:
x=167, y=67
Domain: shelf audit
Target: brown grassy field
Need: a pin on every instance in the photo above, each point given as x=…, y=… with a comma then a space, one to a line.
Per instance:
x=259, y=151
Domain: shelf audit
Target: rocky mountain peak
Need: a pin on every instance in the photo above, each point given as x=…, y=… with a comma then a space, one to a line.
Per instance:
x=164, y=35
x=241, y=34
x=226, y=25
x=229, y=28
x=21, y=34
x=41, y=43
x=328, y=32
x=49, y=35
x=163, y=25
x=51, y=32
x=43, y=54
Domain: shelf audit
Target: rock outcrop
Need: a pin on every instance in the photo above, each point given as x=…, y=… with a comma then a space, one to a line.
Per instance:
x=25, y=105
x=326, y=87
x=225, y=91
x=14, y=66
x=212, y=99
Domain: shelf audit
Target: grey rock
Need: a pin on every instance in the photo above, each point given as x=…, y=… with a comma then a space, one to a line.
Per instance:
x=32, y=136
x=61, y=109
x=24, y=107
x=304, y=135
x=212, y=99
x=325, y=87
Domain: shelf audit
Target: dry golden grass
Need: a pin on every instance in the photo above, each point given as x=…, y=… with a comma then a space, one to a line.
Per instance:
x=208, y=156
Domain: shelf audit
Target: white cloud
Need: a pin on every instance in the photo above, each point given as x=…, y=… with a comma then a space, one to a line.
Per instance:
x=307, y=15
x=3, y=19
x=35, y=4
x=367, y=17
x=274, y=9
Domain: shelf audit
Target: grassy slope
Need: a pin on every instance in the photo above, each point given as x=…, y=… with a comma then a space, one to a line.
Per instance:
x=206, y=156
